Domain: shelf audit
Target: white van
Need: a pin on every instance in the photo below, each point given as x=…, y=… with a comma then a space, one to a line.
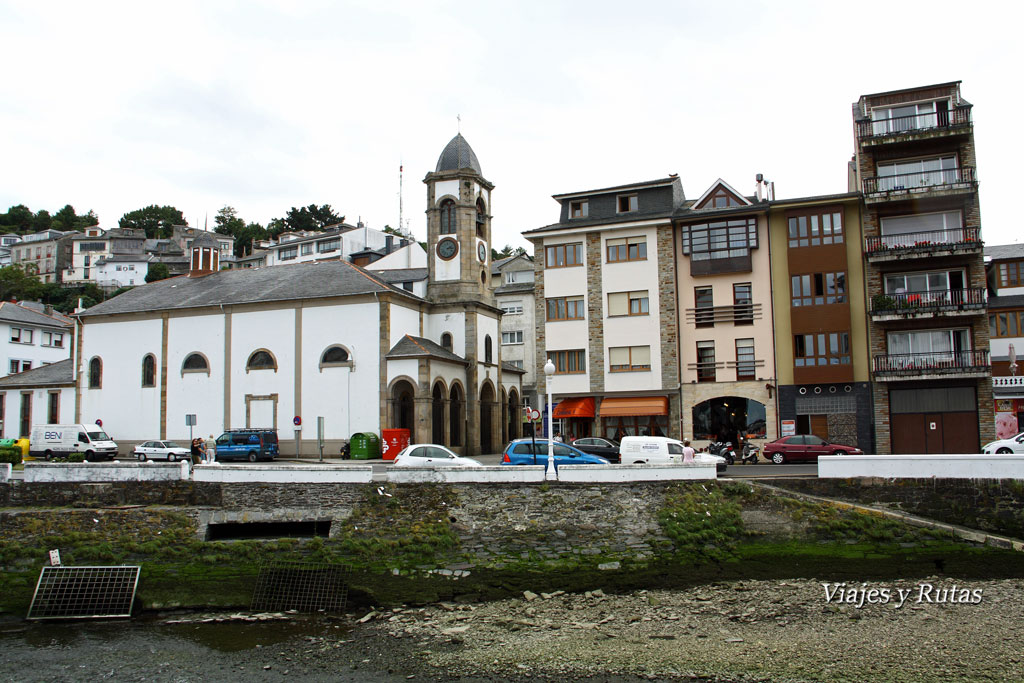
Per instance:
x=661, y=450
x=48, y=441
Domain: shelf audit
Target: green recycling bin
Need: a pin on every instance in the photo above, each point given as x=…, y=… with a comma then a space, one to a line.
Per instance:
x=7, y=442
x=365, y=446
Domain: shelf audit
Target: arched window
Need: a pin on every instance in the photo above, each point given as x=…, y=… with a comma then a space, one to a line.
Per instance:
x=195, y=362
x=481, y=215
x=261, y=359
x=447, y=217
x=488, y=350
x=446, y=341
x=335, y=356
x=95, y=373
x=148, y=370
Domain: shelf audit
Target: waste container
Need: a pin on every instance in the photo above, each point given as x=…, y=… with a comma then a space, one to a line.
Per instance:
x=23, y=444
x=395, y=441
x=6, y=442
x=364, y=446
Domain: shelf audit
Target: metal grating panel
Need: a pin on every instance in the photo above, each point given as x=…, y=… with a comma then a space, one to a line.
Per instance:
x=84, y=592
x=301, y=587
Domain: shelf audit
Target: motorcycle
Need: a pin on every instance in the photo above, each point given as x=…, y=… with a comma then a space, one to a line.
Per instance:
x=749, y=454
x=724, y=450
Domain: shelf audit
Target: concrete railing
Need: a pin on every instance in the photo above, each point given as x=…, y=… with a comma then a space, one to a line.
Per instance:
x=492, y=474
x=5, y=471
x=272, y=473
x=921, y=466
x=627, y=473
x=57, y=472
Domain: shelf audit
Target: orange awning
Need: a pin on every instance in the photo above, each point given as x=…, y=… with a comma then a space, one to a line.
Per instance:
x=631, y=406
x=574, y=407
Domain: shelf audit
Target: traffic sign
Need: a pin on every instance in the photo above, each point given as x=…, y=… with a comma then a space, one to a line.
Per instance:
x=297, y=421
x=534, y=415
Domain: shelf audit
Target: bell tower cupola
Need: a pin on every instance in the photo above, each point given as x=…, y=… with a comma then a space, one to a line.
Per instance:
x=458, y=226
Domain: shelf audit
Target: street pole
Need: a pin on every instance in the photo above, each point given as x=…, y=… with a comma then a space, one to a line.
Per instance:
x=550, y=474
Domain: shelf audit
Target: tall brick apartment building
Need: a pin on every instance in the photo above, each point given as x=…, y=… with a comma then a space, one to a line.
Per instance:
x=924, y=270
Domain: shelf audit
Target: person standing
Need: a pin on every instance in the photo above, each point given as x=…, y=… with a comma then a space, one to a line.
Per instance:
x=210, y=450
x=688, y=453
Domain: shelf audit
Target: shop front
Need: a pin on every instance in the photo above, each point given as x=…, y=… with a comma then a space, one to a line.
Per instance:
x=575, y=417
x=634, y=416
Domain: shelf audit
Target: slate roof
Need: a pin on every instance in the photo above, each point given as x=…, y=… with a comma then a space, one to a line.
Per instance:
x=1009, y=301
x=515, y=287
x=418, y=347
x=298, y=281
x=205, y=239
x=1001, y=251
x=660, y=182
x=458, y=154
x=496, y=266
x=61, y=372
x=610, y=220
x=13, y=313
x=401, y=274
x=508, y=367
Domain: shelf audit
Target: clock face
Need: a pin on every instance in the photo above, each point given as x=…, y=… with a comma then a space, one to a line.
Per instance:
x=481, y=251
x=447, y=248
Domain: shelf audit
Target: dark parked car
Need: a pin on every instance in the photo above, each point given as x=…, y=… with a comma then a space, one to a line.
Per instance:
x=606, y=448
x=521, y=452
x=804, y=447
x=247, y=444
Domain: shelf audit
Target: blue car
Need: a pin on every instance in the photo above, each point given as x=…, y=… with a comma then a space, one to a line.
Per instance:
x=524, y=452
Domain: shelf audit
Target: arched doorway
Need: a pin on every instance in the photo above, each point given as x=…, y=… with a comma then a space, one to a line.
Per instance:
x=455, y=406
x=504, y=418
x=404, y=416
x=486, y=422
x=514, y=419
x=437, y=415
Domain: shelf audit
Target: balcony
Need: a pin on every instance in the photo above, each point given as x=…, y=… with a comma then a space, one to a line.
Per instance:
x=942, y=365
x=915, y=127
x=738, y=314
x=907, y=245
x=949, y=302
x=919, y=184
x=1008, y=386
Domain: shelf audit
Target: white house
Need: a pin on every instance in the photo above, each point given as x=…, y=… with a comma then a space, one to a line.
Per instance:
x=43, y=395
x=122, y=270
x=31, y=338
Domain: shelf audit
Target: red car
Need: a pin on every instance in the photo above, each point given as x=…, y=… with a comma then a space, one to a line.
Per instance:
x=804, y=447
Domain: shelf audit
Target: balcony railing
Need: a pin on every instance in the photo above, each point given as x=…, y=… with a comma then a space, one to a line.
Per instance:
x=928, y=240
x=738, y=314
x=1008, y=382
x=941, y=363
x=904, y=182
x=909, y=304
x=900, y=125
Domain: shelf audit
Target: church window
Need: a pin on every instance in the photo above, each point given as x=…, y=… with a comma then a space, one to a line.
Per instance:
x=261, y=359
x=95, y=373
x=335, y=356
x=446, y=341
x=481, y=215
x=148, y=370
x=488, y=350
x=195, y=362
x=447, y=217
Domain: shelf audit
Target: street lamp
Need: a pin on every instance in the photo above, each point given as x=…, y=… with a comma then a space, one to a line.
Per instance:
x=549, y=370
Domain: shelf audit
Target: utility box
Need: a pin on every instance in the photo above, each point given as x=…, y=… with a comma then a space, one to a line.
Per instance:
x=364, y=446
x=395, y=441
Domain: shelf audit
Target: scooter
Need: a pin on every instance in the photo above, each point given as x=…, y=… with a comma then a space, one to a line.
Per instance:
x=750, y=455
x=724, y=450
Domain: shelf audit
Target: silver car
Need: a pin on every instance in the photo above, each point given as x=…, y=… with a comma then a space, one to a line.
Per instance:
x=161, y=450
x=432, y=455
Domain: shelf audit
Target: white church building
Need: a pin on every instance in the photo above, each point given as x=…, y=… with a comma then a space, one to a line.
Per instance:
x=260, y=347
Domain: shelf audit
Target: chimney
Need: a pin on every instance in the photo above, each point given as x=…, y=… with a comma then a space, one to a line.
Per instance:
x=389, y=243
x=402, y=243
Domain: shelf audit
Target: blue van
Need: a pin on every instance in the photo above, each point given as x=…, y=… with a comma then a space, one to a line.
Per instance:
x=247, y=444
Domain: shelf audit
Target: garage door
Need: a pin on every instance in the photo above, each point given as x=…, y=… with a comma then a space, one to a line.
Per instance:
x=937, y=420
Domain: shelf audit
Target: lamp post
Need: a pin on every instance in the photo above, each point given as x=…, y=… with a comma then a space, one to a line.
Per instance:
x=549, y=371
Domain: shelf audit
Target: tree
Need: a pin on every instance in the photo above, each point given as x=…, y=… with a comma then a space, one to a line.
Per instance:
x=155, y=220
x=67, y=219
x=158, y=271
x=228, y=223
x=15, y=283
x=42, y=220
x=313, y=218
x=18, y=219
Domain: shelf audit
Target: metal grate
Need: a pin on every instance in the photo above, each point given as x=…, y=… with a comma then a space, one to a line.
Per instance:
x=84, y=592
x=302, y=587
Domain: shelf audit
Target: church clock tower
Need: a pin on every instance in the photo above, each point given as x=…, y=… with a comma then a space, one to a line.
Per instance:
x=458, y=227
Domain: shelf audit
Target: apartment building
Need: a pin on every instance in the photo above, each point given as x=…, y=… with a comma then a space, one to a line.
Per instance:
x=1005, y=266
x=91, y=251
x=512, y=280
x=605, y=287
x=30, y=338
x=43, y=254
x=726, y=349
x=823, y=378
x=914, y=161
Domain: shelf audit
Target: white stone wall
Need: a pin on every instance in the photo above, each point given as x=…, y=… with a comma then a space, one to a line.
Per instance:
x=284, y=474
x=105, y=471
x=967, y=466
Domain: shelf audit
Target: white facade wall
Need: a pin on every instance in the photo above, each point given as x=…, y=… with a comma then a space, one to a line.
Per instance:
x=453, y=322
x=34, y=352
x=405, y=367
x=411, y=255
x=447, y=270
x=443, y=188
x=194, y=392
x=1000, y=347
x=568, y=334
x=122, y=274
x=274, y=331
x=403, y=321
x=10, y=426
x=525, y=322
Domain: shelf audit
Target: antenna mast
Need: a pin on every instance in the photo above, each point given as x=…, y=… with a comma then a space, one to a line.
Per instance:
x=400, y=169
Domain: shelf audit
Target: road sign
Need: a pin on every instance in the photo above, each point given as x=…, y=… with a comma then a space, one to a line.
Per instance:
x=297, y=421
x=533, y=415
x=190, y=419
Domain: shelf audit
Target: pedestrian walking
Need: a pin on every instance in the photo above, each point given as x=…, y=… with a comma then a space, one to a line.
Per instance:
x=688, y=453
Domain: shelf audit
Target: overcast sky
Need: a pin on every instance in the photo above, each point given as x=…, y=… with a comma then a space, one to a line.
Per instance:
x=265, y=105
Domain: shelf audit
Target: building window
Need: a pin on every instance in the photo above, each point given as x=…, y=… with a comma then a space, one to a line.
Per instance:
x=261, y=359
x=569, y=362
x=335, y=356
x=328, y=246
x=82, y=246
x=512, y=307
x=481, y=219
x=627, y=249
x=705, y=361
x=195, y=362
x=1006, y=324
x=565, y=308
x=945, y=226
x=148, y=370
x=513, y=337
x=488, y=349
x=705, y=306
x=629, y=358
x=816, y=289
x=931, y=342
x=816, y=229
x=745, y=365
x=95, y=373
x=721, y=199
x=447, y=217
x=288, y=254
x=20, y=366
x=446, y=341
x=720, y=239
x=830, y=348
x=902, y=175
x=515, y=363
x=21, y=336
x=579, y=208
x=909, y=117
x=628, y=303
x=1011, y=274
x=307, y=249
x=727, y=417
x=564, y=255
x=627, y=203
x=743, y=304
x=53, y=408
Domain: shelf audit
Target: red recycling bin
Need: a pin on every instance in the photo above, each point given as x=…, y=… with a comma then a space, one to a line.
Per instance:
x=393, y=442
